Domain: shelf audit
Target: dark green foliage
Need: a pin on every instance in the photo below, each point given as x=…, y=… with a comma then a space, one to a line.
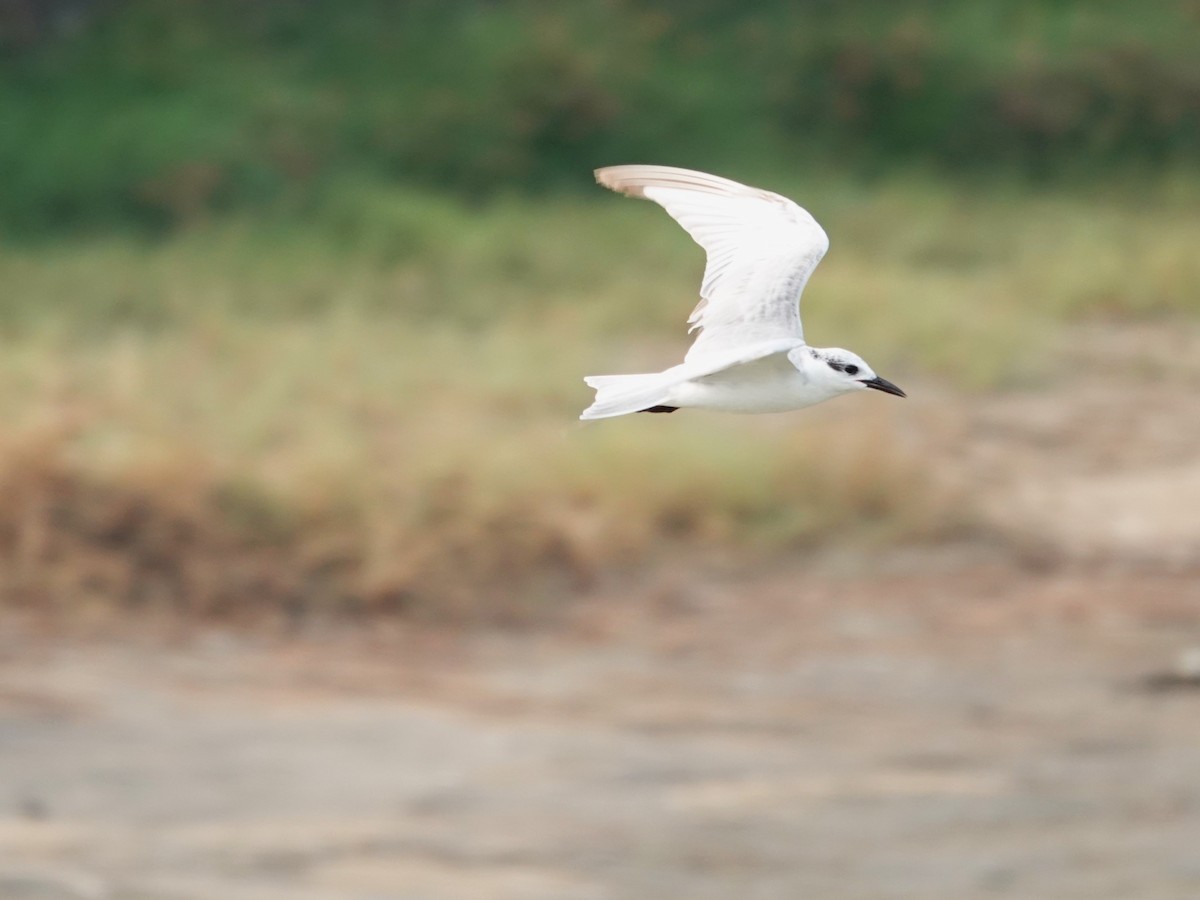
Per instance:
x=153, y=114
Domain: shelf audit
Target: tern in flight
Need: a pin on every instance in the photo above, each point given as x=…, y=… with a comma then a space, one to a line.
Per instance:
x=750, y=355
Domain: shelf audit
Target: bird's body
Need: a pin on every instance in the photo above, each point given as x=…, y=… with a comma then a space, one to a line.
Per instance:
x=767, y=384
x=750, y=355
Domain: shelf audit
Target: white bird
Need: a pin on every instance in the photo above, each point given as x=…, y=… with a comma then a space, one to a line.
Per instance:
x=750, y=355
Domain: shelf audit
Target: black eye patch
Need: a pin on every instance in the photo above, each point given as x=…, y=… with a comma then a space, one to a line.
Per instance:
x=851, y=369
x=836, y=366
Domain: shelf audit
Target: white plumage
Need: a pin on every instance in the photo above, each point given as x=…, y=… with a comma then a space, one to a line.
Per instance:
x=750, y=354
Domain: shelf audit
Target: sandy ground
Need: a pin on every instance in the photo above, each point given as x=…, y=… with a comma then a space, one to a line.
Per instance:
x=1012, y=715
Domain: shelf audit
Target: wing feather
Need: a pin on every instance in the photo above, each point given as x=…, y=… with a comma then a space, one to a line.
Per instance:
x=760, y=246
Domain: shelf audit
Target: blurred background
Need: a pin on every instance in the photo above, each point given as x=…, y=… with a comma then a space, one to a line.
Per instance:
x=314, y=587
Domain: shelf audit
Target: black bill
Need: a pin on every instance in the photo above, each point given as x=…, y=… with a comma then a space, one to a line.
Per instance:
x=882, y=384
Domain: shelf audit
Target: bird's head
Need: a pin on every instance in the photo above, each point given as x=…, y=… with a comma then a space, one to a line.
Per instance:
x=844, y=371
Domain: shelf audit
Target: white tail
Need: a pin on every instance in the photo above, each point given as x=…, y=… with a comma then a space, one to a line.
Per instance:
x=617, y=395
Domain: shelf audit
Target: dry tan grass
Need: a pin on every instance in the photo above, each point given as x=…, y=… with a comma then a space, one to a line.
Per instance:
x=382, y=413
x=359, y=467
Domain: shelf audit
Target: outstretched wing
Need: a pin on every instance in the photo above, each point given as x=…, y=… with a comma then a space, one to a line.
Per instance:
x=761, y=250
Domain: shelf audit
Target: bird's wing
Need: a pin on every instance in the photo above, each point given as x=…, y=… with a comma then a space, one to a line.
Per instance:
x=761, y=249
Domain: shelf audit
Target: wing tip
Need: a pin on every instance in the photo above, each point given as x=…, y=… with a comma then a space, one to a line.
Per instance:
x=622, y=179
x=633, y=180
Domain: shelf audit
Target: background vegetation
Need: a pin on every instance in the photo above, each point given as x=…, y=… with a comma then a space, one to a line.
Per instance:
x=297, y=295
x=155, y=114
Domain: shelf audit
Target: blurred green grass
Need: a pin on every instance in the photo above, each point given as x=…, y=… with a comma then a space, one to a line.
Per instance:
x=144, y=115
x=376, y=406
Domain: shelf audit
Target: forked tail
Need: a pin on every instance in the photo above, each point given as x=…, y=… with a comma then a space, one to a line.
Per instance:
x=618, y=395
